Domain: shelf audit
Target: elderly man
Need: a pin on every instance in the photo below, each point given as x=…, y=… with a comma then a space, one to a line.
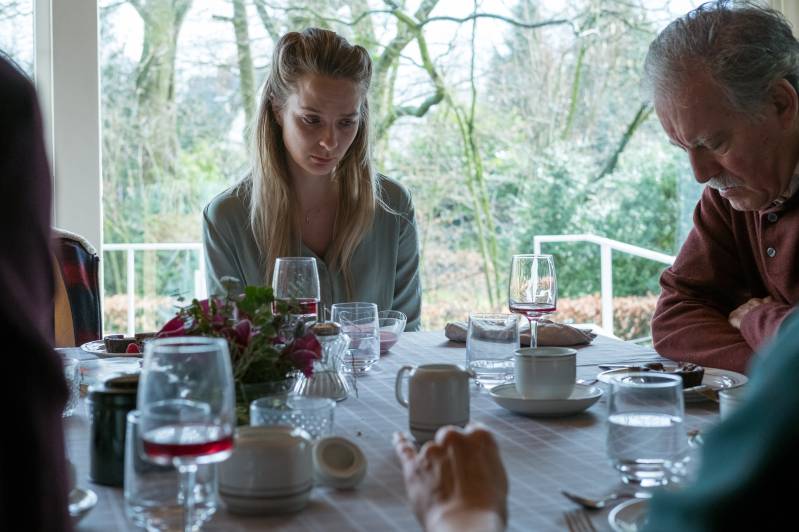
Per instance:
x=725, y=89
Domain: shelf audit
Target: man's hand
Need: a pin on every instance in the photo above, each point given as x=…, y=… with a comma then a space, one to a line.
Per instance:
x=456, y=482
x=738, y=314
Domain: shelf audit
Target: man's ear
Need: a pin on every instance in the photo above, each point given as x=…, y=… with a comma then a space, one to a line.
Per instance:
x=786, y=102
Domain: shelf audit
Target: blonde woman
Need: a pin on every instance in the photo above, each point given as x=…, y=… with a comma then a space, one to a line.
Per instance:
x=312, y=190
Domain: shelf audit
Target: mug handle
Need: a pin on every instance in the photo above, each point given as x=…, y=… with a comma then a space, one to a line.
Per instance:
x=398, y=386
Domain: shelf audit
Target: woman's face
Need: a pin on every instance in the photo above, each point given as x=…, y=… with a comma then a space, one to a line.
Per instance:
x=319, y=122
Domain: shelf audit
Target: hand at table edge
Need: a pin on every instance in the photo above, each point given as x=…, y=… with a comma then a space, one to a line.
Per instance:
x=456, y=482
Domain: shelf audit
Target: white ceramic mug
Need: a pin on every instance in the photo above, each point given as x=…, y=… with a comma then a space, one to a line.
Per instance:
x=545, y=372
x=730, y=399
x=438, y=395
x=270, y=470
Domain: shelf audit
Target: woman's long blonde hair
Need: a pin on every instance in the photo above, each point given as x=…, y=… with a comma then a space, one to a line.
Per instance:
x=320, y=52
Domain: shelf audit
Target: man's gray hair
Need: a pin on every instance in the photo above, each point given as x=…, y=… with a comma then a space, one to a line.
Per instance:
x=745, y=47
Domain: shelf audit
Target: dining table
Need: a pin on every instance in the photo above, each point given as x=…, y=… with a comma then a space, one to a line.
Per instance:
x=542, y=455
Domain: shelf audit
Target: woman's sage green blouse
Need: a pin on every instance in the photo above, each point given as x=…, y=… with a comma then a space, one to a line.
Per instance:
x=384, y=267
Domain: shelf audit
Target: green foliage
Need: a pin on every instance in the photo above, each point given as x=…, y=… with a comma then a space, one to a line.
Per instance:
x=552, y=107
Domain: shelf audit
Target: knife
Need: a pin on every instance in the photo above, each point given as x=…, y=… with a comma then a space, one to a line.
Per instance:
x=637, y=367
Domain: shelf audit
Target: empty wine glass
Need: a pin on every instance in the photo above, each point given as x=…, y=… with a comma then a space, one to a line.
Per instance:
x=186, y=402
x=533, y=289
x=296, y=280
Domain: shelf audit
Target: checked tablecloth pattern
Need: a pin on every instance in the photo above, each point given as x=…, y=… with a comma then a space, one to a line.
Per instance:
x=542, y=456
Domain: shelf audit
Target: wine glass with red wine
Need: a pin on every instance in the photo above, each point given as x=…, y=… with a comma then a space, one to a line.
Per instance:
x=186, y=401
x=295, y=280
x=533, y=289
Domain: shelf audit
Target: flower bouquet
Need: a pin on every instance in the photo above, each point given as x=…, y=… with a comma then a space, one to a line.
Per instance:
x=265, y=349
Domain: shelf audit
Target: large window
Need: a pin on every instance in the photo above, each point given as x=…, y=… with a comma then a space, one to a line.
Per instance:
x=506, y=120
x=16, y=32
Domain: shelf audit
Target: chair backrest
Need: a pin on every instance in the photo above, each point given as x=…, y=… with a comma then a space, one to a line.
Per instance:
x=78, y=276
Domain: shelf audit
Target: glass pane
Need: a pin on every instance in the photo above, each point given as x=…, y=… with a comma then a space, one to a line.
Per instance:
x=564, y=141
x=16, y=32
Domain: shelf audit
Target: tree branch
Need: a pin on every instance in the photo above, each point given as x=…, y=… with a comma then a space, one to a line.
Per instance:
x=640, y=117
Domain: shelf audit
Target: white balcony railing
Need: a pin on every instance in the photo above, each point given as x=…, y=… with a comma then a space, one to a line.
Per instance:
x=606, y=248
x=200, y=290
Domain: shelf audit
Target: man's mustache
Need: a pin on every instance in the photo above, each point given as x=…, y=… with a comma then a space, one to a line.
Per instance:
x=722, y=181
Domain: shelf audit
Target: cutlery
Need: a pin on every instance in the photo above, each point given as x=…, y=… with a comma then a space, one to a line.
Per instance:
x=578, y=521
x=595, y=504
x=636, y=367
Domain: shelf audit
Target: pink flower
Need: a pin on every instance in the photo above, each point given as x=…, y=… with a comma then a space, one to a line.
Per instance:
x=241, y=333
x=174, y=327
x=303, y=351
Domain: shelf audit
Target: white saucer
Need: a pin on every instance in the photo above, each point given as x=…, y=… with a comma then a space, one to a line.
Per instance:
x=629, y=516
x=715, y=379
x=582, y=397
x=80, y=503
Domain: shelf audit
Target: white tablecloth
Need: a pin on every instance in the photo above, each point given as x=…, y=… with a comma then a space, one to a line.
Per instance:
x=542, y=456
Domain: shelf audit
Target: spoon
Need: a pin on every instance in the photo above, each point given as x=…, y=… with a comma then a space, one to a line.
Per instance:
x=595, y=504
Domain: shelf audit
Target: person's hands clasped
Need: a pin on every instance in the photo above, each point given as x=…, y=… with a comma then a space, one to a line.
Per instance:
x=456, y=481
x=738, y=314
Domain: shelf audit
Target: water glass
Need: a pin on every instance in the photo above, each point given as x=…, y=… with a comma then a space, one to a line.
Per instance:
x=72, y=375
x=360, y=322
x=312, y=414
x=491, y=341
x=646, y=434
x=153, y=492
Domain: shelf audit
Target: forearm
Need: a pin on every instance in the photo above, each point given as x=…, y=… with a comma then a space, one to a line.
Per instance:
x=460, y=519
x=693, y=332
x=760, y=324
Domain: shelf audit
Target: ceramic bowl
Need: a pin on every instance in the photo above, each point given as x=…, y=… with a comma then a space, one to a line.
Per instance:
x=270, y=470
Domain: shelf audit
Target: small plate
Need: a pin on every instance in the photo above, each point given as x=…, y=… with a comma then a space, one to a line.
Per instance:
x=715, y=379
x=97, y=347
x=80, y=503
x=583, y=396
x=629, y=516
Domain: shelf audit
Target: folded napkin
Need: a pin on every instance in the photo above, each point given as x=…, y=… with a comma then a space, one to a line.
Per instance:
x=549, y=334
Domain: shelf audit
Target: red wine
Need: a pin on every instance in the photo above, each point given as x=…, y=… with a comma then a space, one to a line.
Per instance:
x=186, y=441
x=532, y=310
x=307, y=306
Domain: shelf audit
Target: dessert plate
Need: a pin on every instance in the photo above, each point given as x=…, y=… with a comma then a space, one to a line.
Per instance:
x=629, y=516
x=582, y=397
x=715, y=379
x=97, y=347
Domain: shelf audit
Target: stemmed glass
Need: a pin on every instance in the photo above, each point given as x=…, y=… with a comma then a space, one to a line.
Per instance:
x=186, y=400
x=533, y=289
x=297, y=279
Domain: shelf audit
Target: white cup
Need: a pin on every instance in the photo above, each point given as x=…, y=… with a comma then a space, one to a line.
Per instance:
x=438, y=395
x=545, y=372
x=270, y=471
x=730, y=399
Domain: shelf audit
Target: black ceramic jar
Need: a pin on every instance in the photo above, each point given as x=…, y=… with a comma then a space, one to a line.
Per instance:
x=109, y=404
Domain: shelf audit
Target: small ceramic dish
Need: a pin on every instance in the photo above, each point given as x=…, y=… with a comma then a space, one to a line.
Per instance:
x=338, y=463
x=80, y=503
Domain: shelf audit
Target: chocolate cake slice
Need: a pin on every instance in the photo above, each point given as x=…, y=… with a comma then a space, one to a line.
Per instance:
x=691, y=374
